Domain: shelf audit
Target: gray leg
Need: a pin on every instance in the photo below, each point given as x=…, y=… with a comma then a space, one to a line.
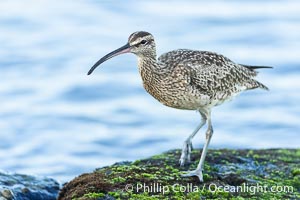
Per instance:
x=199, y=169
x=187, y=145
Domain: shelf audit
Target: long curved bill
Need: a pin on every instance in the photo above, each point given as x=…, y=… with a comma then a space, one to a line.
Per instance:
x=121, y=50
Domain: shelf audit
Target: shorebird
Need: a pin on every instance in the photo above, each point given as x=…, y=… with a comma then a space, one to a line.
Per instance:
x=189, y=80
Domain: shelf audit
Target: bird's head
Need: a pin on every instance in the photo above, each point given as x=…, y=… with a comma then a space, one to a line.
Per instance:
x=140, y=43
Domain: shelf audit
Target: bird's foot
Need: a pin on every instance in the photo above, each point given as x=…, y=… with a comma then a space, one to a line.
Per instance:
x=186, y=153
x=193, y=173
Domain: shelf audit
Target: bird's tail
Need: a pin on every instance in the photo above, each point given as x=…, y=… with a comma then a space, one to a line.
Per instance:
x=252, y=84
x=260, y=85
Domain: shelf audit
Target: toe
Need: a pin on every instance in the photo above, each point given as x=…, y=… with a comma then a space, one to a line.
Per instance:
x=181, y=163
x=193, y=173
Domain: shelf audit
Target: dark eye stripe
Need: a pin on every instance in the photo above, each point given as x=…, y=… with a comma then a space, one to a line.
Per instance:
x=143, y=42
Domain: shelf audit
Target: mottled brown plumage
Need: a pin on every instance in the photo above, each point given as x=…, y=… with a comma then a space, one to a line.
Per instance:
x=188, y=79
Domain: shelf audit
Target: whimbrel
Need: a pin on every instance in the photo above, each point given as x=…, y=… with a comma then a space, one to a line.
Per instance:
x=190, y=80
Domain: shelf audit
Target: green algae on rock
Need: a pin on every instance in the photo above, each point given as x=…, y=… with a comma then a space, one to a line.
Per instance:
x=228, y=174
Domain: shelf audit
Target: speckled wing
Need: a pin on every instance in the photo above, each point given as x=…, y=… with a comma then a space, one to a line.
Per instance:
x=211, y=73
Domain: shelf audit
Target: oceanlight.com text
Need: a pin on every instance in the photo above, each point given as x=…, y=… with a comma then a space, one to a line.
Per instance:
x=190, y=187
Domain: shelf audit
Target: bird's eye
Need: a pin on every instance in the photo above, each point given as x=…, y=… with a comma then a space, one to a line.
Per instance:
x=143, y=42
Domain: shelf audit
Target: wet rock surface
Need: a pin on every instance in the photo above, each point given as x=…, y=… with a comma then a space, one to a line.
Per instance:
x=228, y=174
x=27, y=187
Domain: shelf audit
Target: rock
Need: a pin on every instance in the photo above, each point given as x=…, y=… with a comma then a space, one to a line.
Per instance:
x=26, y=187
x=6, y=194
x=237, y=174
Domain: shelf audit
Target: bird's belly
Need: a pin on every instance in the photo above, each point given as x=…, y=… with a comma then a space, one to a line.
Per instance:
x=185, y=101
x=185, y=98
x=185, y=105
x=191, y=101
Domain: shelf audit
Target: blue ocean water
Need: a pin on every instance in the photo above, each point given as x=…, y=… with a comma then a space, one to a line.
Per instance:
x=58, y=122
